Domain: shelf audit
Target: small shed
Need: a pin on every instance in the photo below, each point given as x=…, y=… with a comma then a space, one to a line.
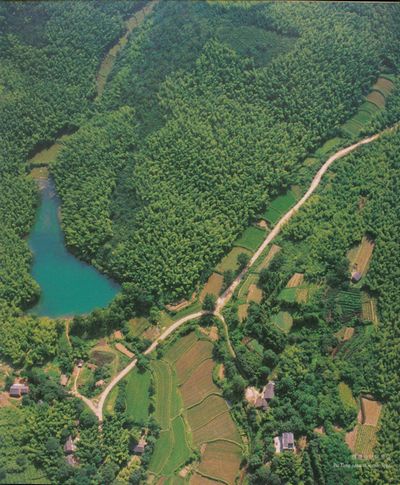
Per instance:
x=100, y=383
x=356, y=276
x=269, y=391
x=71, y=460
x=63, y=380
x=287, y=441
x=70, y=446
x=18, y=390
x=140, y=447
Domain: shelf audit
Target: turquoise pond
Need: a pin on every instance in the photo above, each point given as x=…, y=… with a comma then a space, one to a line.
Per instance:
x=68, y=286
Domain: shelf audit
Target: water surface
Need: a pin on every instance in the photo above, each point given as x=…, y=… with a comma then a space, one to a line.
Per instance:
x=69, y=286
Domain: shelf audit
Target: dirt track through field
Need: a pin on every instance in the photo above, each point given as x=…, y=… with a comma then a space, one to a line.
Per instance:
x=226, y=296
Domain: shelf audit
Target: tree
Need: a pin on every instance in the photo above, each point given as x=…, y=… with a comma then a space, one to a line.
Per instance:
x=209, y=302
x=243, y=259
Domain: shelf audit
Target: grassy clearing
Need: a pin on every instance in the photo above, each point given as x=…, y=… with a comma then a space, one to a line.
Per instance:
x=346, y=395
x=250, y=41
x=229, y=262
x=279, y=206
x=251, y=239
x=251, y=279
x=213, y=286
x=137, y=395
x=30, y=475
x=221, y=452
x=137, y=326
x=48, y=155
x=288, y=295
x=283, y=320
x=329, y=146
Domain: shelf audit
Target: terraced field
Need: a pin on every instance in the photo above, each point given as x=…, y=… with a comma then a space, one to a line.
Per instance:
x=279, y=206
x=192, y=415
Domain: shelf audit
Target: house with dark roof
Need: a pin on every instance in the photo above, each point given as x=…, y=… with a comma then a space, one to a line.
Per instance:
x=267, y=394
x=70, y=446
x=140, y=447
x=285, y=442
x=356, y=276
x=18, y=390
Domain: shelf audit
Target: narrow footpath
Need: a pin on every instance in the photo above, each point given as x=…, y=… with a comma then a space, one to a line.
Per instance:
x=226, y=296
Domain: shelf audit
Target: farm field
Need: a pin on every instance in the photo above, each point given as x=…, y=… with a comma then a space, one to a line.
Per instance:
x=251, y=239
x=368, y=309
x=219, y=452
x=243, y=311
x=295, y=280
x=361, y=255
x=213, y=286
x=365, y=441
x=204, y=418
x=229, y=262
x=346, y=395
x=137, y=395
x=255, y=294
x=329, y=146
x=279, y=206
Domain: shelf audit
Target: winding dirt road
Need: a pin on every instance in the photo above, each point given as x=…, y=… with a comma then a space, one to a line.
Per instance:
x=226, y=296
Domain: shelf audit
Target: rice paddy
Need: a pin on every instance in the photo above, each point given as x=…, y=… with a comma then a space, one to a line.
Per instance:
x=279, y=206
x=251, y=239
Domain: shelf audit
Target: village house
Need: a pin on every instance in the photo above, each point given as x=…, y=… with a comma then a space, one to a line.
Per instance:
x=285, y=442
x=356, y=276
x=63, y=380
x=70, y=446
x=140, y=447
x=266, y=395
x=18, y=390
x=100, y=383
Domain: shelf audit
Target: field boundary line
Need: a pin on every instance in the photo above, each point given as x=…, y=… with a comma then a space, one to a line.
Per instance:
x=212, y=419
x=210, y=477
x=204, y=398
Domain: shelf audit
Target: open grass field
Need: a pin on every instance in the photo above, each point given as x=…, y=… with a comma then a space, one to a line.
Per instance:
x=230, y=260
x=191, y=360
x=220, y=427
x=30, y=475
x=329, y=146
x=138, y=325
x=365, y=440
x=346, y=395
x=288, y=295
x=295, y=280
x=283, y=320
x=279, y=206
x=199, y=384
x=213, y=286
x=137, y=395
x=221, y=452
x=200, y=414
x=251, y=239
x=371, y=411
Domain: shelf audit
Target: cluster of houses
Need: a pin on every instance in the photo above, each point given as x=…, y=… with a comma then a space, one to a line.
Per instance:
x=261, y=400
x=19, y=389
x=69, y=451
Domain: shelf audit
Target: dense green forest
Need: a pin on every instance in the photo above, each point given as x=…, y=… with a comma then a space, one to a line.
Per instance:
x=210, y=111
x=224, y=133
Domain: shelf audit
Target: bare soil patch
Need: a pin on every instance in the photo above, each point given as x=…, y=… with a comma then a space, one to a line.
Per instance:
x=295, y=280
x=371, y=410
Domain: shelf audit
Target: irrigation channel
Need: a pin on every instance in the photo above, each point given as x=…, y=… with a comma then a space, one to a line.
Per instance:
x=98, y=406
